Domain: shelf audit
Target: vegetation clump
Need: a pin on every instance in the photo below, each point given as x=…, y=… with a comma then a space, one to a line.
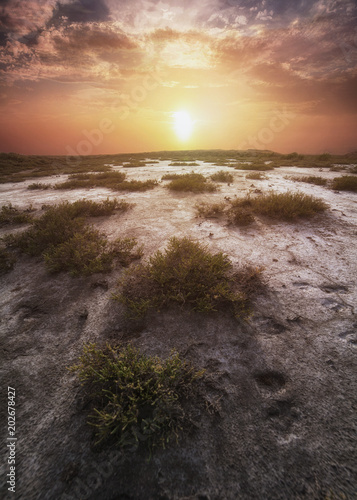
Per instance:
x=345, y=183
x=222, y=176
x=67, y=243
x=255, y=176
x=195, y=183
x=210, y=210
x=38, y=185
x=136, y=399
x=10, y=215
x=111, y=180
x=7, y=261
x=259, y=166
x=311, y=179
x=186, y=273
x=286, y=206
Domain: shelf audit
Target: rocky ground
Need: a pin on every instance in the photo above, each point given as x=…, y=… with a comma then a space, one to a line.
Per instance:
x=282, y=385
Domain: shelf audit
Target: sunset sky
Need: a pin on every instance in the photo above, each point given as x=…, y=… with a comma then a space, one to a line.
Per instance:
x=112, y=76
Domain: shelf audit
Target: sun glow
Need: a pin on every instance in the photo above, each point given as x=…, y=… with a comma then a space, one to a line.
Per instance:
x=183, y=125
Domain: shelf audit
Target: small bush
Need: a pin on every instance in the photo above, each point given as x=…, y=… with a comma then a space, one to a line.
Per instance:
x=210, y=210
x=10, y=215
x=136, y=399
x=222, y=176
x=345, y=183
x=38, y=185
x=185, y=274
x=67, y=243
x=255, y=176
x=287, y=205
x=311, y=179
x=111, y=180
x=240, y=216
x=195, y=183
x=7, y=261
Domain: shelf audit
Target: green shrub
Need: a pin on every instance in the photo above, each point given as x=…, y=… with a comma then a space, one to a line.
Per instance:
x=185, y=274
x=111, y=180
x=240, y=216
x=67, y=243
x=38, y=185
x=255, y=176
x=10, y=215
x=222, y=176
x=136, y=398
x=311, y=179
x=287, y=205
x=7, y=261
x=210, y=210
x=195, y=183
x=89, y=252
x=345, y=183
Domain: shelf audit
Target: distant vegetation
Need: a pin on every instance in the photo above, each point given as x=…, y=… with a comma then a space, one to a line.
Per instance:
x=137, y=399
x=111, y=180
x=38, y=185
x=310, y=179
x=259, y=166
x=195, y=183
x=345, y=183
x=17, y=168
x=67, y=243
x=188, y=274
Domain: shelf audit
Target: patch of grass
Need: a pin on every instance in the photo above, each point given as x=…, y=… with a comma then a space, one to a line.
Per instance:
x=210, y=210
x=195, y=183
x=10, y=215
x=186, y=274
x=67, y=243
x=222, y=176
x=311, y=179
x=183, y=164
x=7, y=261
x=239, y=215
x=136, y=399
x=255, y=176
x=111, y=180
x=38, y=185
x=345, y=183
x=286, y=206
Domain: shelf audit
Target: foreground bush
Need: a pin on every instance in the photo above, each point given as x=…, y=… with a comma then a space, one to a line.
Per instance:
x=345, y=183
x=7, y=261
x=10, y=215
x=222, y=176
x=186, y=274
x=67, y=243
x=195, y=183
x=287, y=205
x=137, y=399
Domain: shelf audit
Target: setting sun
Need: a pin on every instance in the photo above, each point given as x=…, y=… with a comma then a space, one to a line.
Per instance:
x=183, y=125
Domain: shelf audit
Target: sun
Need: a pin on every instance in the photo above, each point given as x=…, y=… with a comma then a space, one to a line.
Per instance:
x=183, y=125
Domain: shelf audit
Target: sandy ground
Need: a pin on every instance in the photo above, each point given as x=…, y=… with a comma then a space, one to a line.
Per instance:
x=285, y=379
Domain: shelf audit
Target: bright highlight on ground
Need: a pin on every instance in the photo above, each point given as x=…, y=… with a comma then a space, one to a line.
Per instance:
x=183, y=125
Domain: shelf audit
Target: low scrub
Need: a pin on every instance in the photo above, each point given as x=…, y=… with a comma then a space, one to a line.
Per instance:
x=7, y=261
x=255, y=176
x=186, y=273
x=311, y=179
x=212, y=210
x=10, y=215
x=111, y=180
x=222, y=176
x=286, y=206
x=345, y=183
x=67, y=243
x=38, y=185
x=183, y=164
x=136, y=399
x=195, y=183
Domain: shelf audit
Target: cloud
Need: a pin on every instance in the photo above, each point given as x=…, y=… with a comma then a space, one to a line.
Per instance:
x=81, y=11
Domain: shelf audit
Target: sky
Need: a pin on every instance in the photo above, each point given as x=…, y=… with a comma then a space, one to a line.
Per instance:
x=119, y=76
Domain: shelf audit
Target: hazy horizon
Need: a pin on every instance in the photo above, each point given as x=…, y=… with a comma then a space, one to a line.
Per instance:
x=92, y=77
